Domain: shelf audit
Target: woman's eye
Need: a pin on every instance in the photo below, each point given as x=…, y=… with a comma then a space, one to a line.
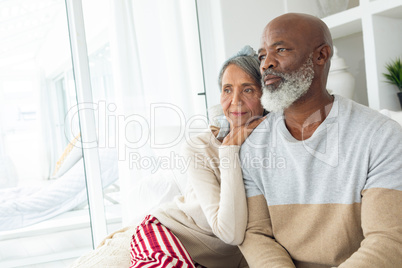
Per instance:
x=248, y=90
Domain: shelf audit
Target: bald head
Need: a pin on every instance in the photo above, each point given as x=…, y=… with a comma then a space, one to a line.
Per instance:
x=306, y=28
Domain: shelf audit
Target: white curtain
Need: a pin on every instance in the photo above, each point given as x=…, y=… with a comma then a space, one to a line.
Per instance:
x=157, y=75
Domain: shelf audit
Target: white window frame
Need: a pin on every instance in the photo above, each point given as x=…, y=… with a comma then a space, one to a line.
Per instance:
x=89, y=138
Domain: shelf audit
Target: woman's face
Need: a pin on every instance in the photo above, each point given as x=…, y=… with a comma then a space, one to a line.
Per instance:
x=240, y=98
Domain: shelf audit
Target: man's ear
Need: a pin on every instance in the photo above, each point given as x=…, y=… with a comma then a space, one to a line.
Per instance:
x=324, y=54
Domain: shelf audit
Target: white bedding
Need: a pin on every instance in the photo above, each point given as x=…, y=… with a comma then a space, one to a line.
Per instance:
x=23, y=206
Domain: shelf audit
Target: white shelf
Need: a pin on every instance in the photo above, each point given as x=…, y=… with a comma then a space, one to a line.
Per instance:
x=389, y=8
x=378, y=23
x=349, y=21
x=345, y=23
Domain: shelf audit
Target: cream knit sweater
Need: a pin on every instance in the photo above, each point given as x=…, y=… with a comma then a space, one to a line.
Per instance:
x=213, y=208
x=213, y=212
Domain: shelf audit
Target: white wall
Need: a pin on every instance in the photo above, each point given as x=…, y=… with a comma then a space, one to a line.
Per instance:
x=226, y=26
x=244, y=21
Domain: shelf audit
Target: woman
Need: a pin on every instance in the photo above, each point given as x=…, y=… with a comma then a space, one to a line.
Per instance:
x=203, y=227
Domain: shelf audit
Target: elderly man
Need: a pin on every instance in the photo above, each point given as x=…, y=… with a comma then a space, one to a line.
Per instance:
x=323, y=174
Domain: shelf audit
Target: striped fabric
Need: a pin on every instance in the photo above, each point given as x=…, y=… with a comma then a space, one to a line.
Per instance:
x=153, y=246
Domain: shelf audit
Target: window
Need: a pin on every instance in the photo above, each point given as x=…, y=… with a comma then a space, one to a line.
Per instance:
x=41, y=160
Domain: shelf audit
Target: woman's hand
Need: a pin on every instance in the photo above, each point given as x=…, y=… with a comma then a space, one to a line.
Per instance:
x=239, y=134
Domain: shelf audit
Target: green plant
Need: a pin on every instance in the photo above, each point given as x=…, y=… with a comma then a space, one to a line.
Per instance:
x=394, y=75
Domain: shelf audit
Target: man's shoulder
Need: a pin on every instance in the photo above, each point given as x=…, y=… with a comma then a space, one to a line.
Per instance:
x=360, y=116
x=261, y=139
x=359, y=123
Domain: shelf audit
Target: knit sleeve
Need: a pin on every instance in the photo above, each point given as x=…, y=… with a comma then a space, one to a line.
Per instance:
x=381, y=210
x=224, y=203
x=259, y=247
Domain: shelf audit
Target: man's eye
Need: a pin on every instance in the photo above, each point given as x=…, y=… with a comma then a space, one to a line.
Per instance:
x=261, y=57
x=282, y=49
x=227, y=90
x=248, y=90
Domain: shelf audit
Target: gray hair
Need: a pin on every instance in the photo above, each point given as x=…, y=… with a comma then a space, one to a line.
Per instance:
x=247, y=60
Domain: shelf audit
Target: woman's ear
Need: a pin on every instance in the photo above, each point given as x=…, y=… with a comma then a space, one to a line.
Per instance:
x=324, y=54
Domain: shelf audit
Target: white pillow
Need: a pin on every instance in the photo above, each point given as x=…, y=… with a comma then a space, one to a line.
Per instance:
x=150, y=192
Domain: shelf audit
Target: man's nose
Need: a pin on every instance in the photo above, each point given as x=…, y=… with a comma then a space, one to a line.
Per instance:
x=267, y=63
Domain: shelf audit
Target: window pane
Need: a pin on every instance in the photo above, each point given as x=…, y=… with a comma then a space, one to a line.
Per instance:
x=43, y=200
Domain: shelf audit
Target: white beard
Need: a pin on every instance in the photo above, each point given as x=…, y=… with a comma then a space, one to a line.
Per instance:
x=293, y=86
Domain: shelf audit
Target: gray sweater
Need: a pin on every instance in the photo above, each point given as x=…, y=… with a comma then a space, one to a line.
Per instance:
x=334, y=199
